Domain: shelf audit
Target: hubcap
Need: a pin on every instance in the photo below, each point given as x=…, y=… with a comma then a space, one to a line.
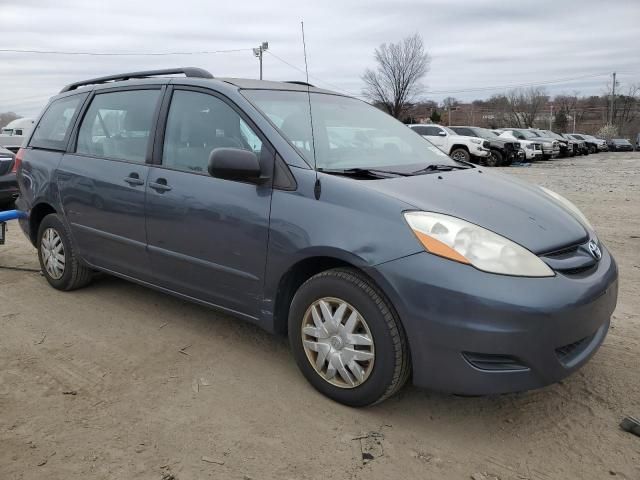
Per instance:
x=459, y=156
x=338, y=342
x=52, y=252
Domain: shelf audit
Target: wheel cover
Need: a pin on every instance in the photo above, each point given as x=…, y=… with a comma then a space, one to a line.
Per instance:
x=493, y=159
x=459, y=156
x=52, y=253
x=338, y=342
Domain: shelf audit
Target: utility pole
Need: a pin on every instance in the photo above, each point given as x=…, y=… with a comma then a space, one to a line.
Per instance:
x=258, y=51
x=613, y=98
x=574, y=120
x=551, y=118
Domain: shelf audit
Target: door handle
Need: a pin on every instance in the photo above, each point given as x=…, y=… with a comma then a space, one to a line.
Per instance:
x=160, y=185
x=134, y=179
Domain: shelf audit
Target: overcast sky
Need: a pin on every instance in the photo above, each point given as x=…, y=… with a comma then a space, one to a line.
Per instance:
x=473, y=44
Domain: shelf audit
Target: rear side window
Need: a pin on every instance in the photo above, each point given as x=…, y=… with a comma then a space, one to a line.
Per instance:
x=118, y=124
x=54, y=127
x=420, y=130
x=432, y=131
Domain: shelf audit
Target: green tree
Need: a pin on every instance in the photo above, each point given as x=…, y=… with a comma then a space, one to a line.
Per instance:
x=435, y=117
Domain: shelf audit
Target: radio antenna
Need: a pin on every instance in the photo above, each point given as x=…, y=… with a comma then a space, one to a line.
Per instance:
x=317, y=186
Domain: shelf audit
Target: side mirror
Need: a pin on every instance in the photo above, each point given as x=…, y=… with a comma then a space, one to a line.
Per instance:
x=442, y=133
x=234, y=164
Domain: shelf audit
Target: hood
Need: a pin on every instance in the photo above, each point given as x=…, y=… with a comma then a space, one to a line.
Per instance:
x=517, y=210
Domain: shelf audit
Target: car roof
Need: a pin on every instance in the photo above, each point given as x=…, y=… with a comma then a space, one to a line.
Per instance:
x=191, y=75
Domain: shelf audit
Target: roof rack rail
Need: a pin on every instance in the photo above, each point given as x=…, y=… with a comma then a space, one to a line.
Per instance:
x=298, y=82
x=191, y=72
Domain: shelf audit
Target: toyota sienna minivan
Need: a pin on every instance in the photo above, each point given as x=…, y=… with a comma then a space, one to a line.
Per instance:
x=318, y=216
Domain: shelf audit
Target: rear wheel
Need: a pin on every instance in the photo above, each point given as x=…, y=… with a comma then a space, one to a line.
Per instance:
x=461, y=155
x=58, y=260
x=346, y=338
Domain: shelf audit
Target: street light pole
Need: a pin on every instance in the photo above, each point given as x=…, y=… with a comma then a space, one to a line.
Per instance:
x=258, y=51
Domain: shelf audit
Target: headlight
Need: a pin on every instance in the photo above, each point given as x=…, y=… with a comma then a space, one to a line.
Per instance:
x=464, y=242
x=476, y=140
x=570, y=207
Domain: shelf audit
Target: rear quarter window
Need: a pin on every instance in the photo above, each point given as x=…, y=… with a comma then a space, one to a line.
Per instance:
x=54, y=127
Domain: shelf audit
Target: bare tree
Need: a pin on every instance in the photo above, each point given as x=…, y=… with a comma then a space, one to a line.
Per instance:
x=525, y=104
x=396, y=81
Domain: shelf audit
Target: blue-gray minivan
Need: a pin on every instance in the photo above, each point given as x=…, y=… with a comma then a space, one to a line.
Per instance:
x=317, y=216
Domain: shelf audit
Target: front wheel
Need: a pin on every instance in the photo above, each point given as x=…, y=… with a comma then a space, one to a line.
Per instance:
x=346, y=339
x=461, y=155
x=494, y=159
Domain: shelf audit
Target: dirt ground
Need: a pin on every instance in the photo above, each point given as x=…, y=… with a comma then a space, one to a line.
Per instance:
x=116, y=381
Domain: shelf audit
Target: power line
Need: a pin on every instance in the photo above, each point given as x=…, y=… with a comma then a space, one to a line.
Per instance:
x=517, y=85
x=123, y=54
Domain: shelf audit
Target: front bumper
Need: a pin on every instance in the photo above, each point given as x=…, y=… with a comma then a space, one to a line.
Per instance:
x=480, y=151
x=532, y=154
x=454, y=314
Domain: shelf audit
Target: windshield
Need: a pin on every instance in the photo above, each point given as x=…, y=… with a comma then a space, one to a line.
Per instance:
x=485, y=133
x=551, y=134
x=347, y=133
x=526, y=134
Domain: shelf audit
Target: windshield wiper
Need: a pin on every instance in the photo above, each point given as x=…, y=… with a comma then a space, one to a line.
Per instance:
x=370, y=172
x=438, y=167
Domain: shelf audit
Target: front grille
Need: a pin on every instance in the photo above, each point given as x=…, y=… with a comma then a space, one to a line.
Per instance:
x=571, y=260
x=516, y=145
x=568, y=353
x=494, y=363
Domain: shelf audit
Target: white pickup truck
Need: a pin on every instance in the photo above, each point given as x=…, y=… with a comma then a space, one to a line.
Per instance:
x=458, y=147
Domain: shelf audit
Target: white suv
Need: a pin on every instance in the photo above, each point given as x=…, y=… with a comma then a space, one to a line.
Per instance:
x=532, y=149
x=550, y=147
x=458, y=147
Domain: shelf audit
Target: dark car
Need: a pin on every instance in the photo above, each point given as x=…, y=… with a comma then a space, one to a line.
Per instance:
x=620, y=145
x=8, y=184
x=594, y=145
x=503, y=151
x=379, y=256
x=580, y=146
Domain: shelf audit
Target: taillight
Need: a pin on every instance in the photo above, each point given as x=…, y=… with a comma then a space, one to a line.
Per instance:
x=18, y=160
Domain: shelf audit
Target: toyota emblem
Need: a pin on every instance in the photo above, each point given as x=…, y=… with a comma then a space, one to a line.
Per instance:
x=595, y=250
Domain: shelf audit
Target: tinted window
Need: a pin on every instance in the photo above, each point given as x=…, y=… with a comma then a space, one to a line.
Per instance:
x=199, y=123
x=432, y=131
x=420, y=130
x=118, y=124
x=464, y=131
x=54, y=126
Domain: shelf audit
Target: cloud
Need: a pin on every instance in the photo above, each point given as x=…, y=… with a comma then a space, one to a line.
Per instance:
x=473, y=44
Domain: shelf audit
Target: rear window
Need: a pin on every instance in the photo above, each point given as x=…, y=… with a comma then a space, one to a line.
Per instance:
x=54, y=127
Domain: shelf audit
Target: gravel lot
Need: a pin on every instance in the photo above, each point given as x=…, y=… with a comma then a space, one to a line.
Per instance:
x=116, y=381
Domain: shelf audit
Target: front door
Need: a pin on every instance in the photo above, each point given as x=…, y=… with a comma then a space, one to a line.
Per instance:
x=102, y=184
x=208, y=236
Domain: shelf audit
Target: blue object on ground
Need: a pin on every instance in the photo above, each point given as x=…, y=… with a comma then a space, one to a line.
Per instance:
x=11, y=215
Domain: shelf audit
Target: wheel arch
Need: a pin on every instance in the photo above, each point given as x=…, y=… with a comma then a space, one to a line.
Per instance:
x=459, y=145
x=37, y=213
x=300, y=272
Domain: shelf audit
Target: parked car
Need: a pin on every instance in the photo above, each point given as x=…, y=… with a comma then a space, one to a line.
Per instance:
x=550, y=147
x=532, y=149
x=580, y=146
x=620, y=145
x=458, y=147
x=638, y=142
x=381, y=262
x=503, y=152
x=8, y=184
x=567, y=147
x=594, y=144
x=13, y=134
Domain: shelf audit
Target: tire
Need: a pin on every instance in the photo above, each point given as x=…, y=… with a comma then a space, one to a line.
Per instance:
x=592, y=149
x=388, y=367
x=53, y=237
x=495, y=159
x=461, y=155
